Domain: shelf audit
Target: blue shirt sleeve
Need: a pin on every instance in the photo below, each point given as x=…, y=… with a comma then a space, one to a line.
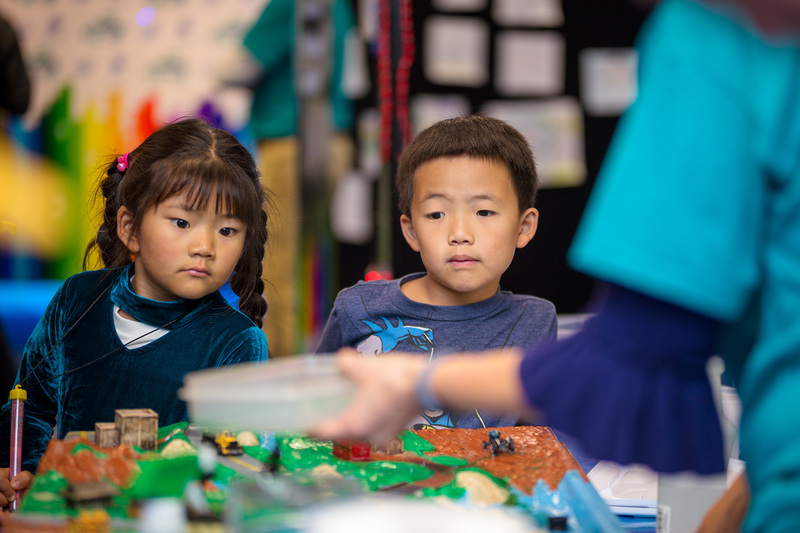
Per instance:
x=632, y=385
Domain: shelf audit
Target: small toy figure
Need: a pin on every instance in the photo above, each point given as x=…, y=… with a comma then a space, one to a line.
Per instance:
x=273, y=462
x=498, y=444
x=268, y=441
x=225, y=442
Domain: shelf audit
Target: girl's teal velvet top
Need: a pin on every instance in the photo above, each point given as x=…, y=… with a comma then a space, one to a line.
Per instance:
x=76, y=371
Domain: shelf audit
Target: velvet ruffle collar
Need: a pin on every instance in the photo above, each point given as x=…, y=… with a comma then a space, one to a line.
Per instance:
x=168, y=315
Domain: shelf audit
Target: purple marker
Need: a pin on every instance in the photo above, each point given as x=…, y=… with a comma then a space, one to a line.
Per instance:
x=17, y=397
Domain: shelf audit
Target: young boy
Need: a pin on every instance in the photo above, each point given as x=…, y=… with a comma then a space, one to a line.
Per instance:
x=466, y=190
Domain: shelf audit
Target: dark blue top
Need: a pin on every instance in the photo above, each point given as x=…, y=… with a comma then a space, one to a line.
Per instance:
x=76, y=370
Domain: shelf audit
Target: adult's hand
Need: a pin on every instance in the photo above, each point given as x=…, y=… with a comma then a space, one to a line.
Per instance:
x=387, y=389
x=730, y=510
x=385, y=400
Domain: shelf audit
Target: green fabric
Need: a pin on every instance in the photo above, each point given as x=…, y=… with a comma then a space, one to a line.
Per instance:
x=698, y=204
x=414, y=443
x=208, y=333
x=271, y=41
x=164, y=478
x=300, y=453
x=46, y=496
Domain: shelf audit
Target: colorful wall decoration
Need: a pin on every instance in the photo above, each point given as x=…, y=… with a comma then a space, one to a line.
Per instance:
x=104, y=73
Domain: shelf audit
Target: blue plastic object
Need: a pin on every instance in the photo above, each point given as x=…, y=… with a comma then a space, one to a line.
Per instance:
x=576, y=499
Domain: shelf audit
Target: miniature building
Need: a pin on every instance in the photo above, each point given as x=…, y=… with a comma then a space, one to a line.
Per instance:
x=97, y=494
x=392, y=446
x=351, y=450
x=106, y=434
x=138, y=427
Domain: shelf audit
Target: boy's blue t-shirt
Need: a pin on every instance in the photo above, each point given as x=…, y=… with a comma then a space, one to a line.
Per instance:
x=376, y=318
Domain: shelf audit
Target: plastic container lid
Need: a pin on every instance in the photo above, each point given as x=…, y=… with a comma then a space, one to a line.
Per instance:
x=287, y=394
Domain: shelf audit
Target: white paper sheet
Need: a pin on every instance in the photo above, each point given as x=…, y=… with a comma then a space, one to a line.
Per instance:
x=554, y=129
x=456, y=51
x=426, y=109
x=628, y=490
x=529, y=63
x=607, y=80
x=541, y=13
x=459, y=5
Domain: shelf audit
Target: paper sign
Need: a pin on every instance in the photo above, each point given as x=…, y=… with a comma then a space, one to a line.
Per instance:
x=459, y=5
x=456, y=51
x=541, y=13
x=608, y=80
x=427, y=109
x=554, y=129
x=529, y=63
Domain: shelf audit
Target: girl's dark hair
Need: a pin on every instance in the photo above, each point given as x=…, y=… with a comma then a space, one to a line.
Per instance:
x=193, y=157
x=473, y=136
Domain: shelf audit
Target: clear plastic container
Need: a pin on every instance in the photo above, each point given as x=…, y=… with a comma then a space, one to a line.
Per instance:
x=391, y=514
x=288, y=394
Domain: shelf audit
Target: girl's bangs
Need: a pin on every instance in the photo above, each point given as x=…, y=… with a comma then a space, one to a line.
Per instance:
x=202, y=180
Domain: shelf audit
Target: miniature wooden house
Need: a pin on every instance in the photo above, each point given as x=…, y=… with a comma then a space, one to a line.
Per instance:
x=392, y=446
x=138, y=427
x=93, y=494
x=106, y=434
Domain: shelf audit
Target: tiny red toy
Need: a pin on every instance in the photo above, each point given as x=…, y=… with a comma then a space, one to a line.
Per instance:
x=351, y=450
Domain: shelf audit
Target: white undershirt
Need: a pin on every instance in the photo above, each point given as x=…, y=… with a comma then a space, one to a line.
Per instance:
x=129, y=329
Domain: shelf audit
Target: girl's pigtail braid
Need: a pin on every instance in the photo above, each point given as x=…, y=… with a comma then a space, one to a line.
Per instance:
x=247, y=281
x=113, y=251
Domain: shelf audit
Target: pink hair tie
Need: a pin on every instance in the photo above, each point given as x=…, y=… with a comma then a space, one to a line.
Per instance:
x=122, y=162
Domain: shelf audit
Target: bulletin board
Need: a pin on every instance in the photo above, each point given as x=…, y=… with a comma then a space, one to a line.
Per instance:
x=561, y=71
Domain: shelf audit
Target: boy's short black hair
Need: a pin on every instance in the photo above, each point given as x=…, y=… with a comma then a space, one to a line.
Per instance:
x=473, y=136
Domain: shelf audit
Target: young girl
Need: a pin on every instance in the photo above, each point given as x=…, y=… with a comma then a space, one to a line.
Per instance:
x=182, y=212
